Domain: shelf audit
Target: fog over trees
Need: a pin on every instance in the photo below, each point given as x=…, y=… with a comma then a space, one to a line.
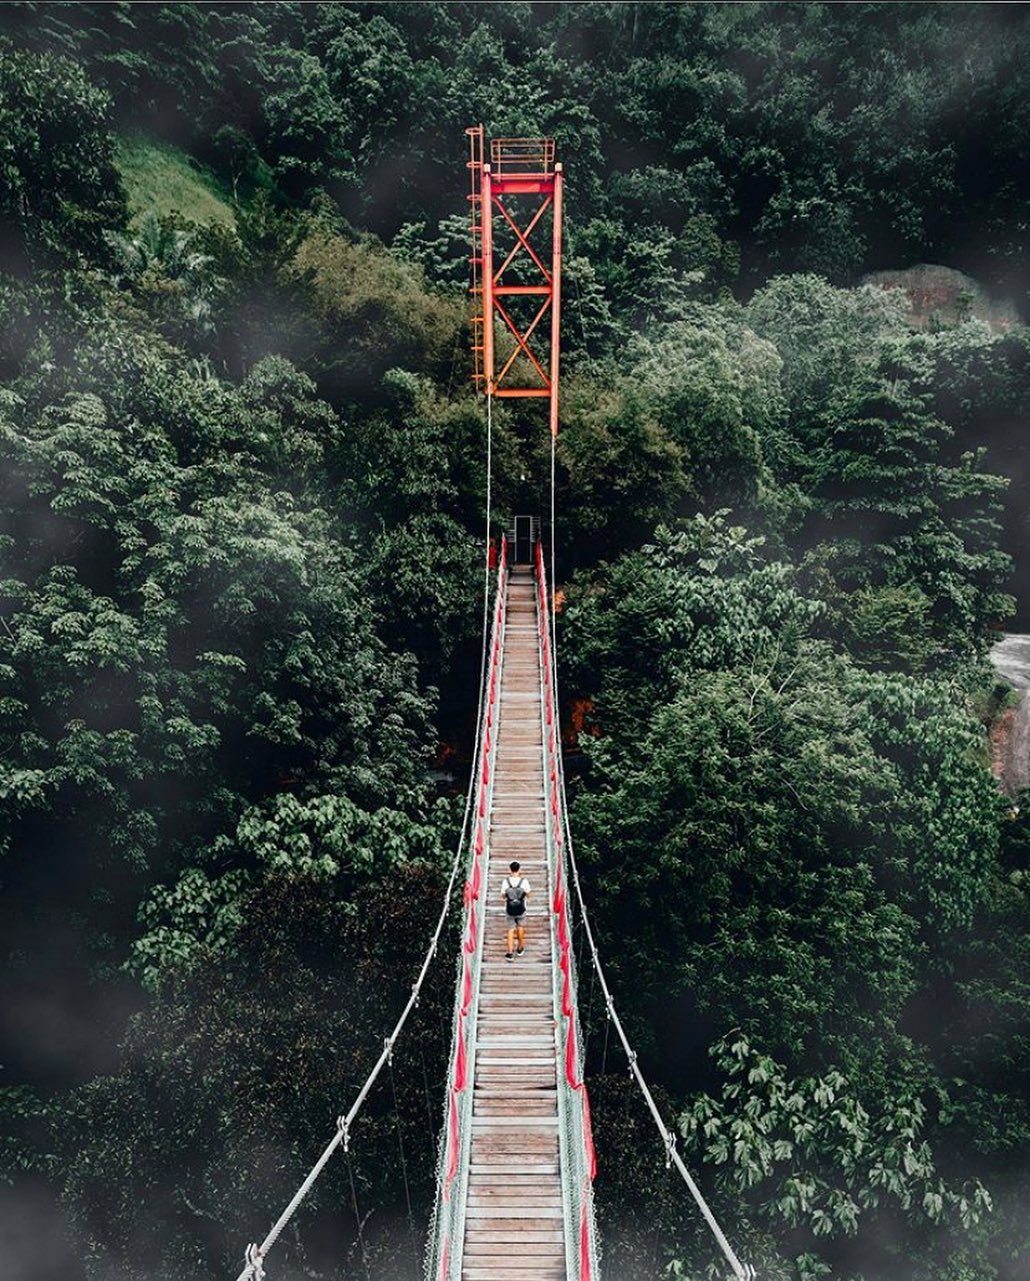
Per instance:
x=242, y=504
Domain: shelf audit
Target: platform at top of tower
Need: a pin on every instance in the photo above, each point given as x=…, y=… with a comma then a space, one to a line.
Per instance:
x=522, y=156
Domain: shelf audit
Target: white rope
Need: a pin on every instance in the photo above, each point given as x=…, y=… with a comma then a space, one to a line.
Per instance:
x=257, y=1253
x=486, y=559
x=741, y=1271
x=554, y=587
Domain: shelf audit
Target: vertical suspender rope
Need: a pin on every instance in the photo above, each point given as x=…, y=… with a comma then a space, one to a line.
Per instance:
x=357, y=1213
x=404, y=1169
x=430, y=1116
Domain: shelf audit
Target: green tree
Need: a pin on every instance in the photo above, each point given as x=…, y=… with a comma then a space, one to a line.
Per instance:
x=229, y=1085
x=739, y=847
x=818, y=1154
x=614, y=456
x=184, y=633
x=236, y=155
x=715, y=388
x=59, y=190
x=305, y=126
x=162, y=262
x=325, y=838
x=768, y=828
x=703, y=592
x=892, y=513
x=824, y=336
x=373, y=313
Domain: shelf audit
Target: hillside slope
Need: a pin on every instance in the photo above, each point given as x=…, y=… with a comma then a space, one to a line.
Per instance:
x=162, y=179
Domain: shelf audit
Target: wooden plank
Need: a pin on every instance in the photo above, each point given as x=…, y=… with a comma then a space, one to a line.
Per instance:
x=503, y=1125
x=481, y=1239
x=542, y=1232
x=526, y=1105
x=514, y=1226
x=525, y=1003
x=514, y=1039
x=490, y=1167
x=533, y=1252
x=499, y=1198
x=494, y=1077
x=535, y=1245
x=536, y=1213
x=499, y=1178
x=524, y=1271
x=500, y=1182
x=548, y=1250
x=542, y=1268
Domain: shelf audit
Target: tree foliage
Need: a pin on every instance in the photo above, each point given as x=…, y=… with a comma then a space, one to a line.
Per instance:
x=809, y=1152
x=59, y=190
x=230, y=1083
x=242, y=505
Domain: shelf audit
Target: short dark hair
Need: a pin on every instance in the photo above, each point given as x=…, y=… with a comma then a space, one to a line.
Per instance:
x=514, y=867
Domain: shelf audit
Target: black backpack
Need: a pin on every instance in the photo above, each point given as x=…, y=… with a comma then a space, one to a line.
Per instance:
x=516, y=897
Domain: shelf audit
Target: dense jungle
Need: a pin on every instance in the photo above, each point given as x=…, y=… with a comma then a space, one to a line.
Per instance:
x=242, y=478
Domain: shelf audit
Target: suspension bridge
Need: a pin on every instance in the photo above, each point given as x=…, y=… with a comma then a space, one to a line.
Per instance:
x=516, y=1157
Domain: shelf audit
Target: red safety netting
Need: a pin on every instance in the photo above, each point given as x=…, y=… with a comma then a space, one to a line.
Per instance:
x=584, y=1239
x=560, y=908
x=459, y=1078
x=461, y=1065
x=588, y=1136
x=452, y=1142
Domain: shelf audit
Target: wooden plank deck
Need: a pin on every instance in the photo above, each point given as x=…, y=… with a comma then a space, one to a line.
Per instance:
x=514, y=1226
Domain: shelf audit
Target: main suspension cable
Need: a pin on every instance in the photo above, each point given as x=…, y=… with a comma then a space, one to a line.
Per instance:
x=741, y=1271
x=486, y=571
x=257, y=1253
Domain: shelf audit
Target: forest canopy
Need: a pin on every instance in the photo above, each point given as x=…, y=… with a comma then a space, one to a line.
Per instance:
x=242, y=521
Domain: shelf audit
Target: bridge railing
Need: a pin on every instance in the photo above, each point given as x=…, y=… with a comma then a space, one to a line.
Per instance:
x=578, y=1159
x=446, y=1237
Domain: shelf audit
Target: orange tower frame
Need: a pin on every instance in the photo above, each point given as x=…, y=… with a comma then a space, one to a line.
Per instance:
x=519, y=168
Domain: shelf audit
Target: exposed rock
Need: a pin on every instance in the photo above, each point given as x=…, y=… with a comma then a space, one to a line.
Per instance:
x=944, y=295
x=1010, y=736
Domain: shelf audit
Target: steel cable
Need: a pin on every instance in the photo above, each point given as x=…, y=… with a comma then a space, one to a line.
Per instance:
x=740, y=1271
x=357, y=1213
x=404, y=1165
x=428, y=1096
x=257, y=1253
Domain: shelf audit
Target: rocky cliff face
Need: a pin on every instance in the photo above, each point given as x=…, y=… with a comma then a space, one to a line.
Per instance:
x=1010, y=737
x=946, y=295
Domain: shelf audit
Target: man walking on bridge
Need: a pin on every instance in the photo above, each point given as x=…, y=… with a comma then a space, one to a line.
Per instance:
x=515, y=892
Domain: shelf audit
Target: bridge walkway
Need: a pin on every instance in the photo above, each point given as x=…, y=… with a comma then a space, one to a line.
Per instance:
x=514, y=1218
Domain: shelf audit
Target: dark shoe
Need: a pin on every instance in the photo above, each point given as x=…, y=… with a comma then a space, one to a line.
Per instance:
x=509, y=956
x=520, y=950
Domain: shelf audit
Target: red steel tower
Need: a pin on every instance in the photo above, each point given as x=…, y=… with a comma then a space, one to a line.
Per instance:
x=514, y=281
